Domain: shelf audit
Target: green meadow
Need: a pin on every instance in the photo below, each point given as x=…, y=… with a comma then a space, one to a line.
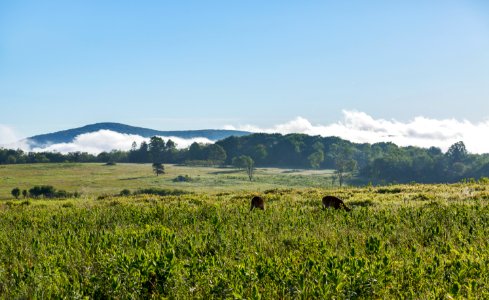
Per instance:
x=93, y=179
x=400, y=241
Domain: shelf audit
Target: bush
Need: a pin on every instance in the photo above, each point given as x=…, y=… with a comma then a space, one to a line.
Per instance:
x=203, y=163
x=125, y=192
x=161, y=192
x=182, y=178
x=48, y=191
x=103, y=197
x=389, y=191
x=16, y=192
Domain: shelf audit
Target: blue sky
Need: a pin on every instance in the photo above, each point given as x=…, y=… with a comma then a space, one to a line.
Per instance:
x=206, y=64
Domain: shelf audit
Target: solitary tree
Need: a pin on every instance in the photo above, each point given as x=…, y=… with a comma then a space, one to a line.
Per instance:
x=16, y=192
x=246, y=163
x=158, y=168
x=345, y=165
x=344, y=169
x=24, y=193
x=250, y=167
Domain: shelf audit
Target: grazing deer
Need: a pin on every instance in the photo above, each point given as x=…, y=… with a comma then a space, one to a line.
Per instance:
x=257, y=202
x=332, y=201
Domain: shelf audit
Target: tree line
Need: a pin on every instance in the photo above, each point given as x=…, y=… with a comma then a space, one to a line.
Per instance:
x=377, y=163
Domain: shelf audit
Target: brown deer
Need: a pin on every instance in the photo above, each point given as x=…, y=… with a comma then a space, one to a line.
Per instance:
x=257, y=202
x=332, y=201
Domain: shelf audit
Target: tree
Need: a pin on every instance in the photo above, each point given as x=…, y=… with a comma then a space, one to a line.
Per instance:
x=246, y=163
x=345, y=165
x=11, y=160
x=316, y=158
x=216, y=153
x=46, y=191
x=195, y=151
x=250, y=167
x=16, y=192
x=260, y=153
x=344, y=169
x=157, y=149
x=171, y=145
x=24, y=193
x=457, y=152
x=158, y=168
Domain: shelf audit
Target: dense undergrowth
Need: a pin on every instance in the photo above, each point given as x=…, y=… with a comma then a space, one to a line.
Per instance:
x=406, y=241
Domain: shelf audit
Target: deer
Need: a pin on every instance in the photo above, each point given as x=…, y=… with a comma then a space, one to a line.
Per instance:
x=257, y=202
x=332, y=201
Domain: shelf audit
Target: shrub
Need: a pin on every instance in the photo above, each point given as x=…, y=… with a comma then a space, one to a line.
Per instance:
x=125, y=192
x=182, y=178
x=161, y=192
x=389, y=191
x=16, y=192
x=46, y=191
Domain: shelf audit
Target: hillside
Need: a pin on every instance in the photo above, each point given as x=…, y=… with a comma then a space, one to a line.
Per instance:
x=67, y=136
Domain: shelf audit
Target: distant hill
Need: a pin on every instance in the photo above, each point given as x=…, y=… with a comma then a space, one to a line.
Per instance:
x=67, y=136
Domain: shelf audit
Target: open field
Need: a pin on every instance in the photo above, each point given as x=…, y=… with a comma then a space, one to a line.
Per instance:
x=97, y=179
x=402, y=241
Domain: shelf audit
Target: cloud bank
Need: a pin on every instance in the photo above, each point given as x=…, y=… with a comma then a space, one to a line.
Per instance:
x=107, y=140
x=355, y=126
x=359, y=127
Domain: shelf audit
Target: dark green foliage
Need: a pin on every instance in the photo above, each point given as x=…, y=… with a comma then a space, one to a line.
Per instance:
x=16, y=192
x=125, y=192
x=201, y=154
x=389, y=190
x=158, y=168
x=48, y=191
x=182, y=178
x=161, y=192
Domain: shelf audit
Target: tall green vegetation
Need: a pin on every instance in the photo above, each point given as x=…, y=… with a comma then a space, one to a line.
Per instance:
x=405, y=241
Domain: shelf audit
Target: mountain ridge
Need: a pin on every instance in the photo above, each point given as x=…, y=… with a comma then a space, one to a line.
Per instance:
x=68, y=135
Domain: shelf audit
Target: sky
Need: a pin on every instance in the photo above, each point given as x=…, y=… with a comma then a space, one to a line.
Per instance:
x=261, y=65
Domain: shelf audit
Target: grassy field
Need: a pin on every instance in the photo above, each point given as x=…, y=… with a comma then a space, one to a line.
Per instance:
x=401, y=241
x=97, y=179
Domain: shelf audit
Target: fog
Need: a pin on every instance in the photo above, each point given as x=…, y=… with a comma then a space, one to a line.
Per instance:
x=362, y=128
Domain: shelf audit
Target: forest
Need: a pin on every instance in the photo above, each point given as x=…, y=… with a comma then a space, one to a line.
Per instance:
x=378, y=163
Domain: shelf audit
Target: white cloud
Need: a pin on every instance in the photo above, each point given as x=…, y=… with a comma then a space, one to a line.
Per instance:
x=361, y=128
x=7, y=135
x=107, y=140
x=355, y=126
